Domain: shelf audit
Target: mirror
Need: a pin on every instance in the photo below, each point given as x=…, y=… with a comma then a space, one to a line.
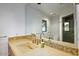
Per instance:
x=44, y=25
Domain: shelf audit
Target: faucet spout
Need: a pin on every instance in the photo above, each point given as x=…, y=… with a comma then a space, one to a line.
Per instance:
x=41, y=35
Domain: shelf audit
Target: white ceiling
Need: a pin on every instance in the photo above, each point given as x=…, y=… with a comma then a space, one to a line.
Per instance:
x=56, y=8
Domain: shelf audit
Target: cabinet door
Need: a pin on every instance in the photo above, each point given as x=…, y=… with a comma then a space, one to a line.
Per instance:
x=3, y=46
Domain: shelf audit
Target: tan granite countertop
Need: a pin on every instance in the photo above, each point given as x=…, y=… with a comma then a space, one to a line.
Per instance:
x=24, y=47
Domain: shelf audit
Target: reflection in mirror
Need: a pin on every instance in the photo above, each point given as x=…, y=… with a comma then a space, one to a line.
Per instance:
x=66, y=26
x=44, y=25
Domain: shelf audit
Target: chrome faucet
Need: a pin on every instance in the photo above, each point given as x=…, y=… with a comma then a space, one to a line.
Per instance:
x=40, y=37
x=41, y=34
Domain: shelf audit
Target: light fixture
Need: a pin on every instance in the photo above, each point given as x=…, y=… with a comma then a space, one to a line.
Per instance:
x=51, y=13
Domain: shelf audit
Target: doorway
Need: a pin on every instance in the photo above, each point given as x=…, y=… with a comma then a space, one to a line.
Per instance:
x=68, y=28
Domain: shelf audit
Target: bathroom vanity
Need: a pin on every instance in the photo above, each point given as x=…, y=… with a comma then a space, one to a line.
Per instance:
x=25, y=46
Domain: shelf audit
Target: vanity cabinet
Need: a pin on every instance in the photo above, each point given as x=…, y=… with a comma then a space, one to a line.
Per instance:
x=3, y=46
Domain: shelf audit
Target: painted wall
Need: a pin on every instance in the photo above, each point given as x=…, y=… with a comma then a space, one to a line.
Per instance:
x=34, y=20
x=77, y=23
x=54, y=29
x=12, y=22
x=12, y=19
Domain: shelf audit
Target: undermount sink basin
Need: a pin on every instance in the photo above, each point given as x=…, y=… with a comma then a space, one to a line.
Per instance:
x=27, y=45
